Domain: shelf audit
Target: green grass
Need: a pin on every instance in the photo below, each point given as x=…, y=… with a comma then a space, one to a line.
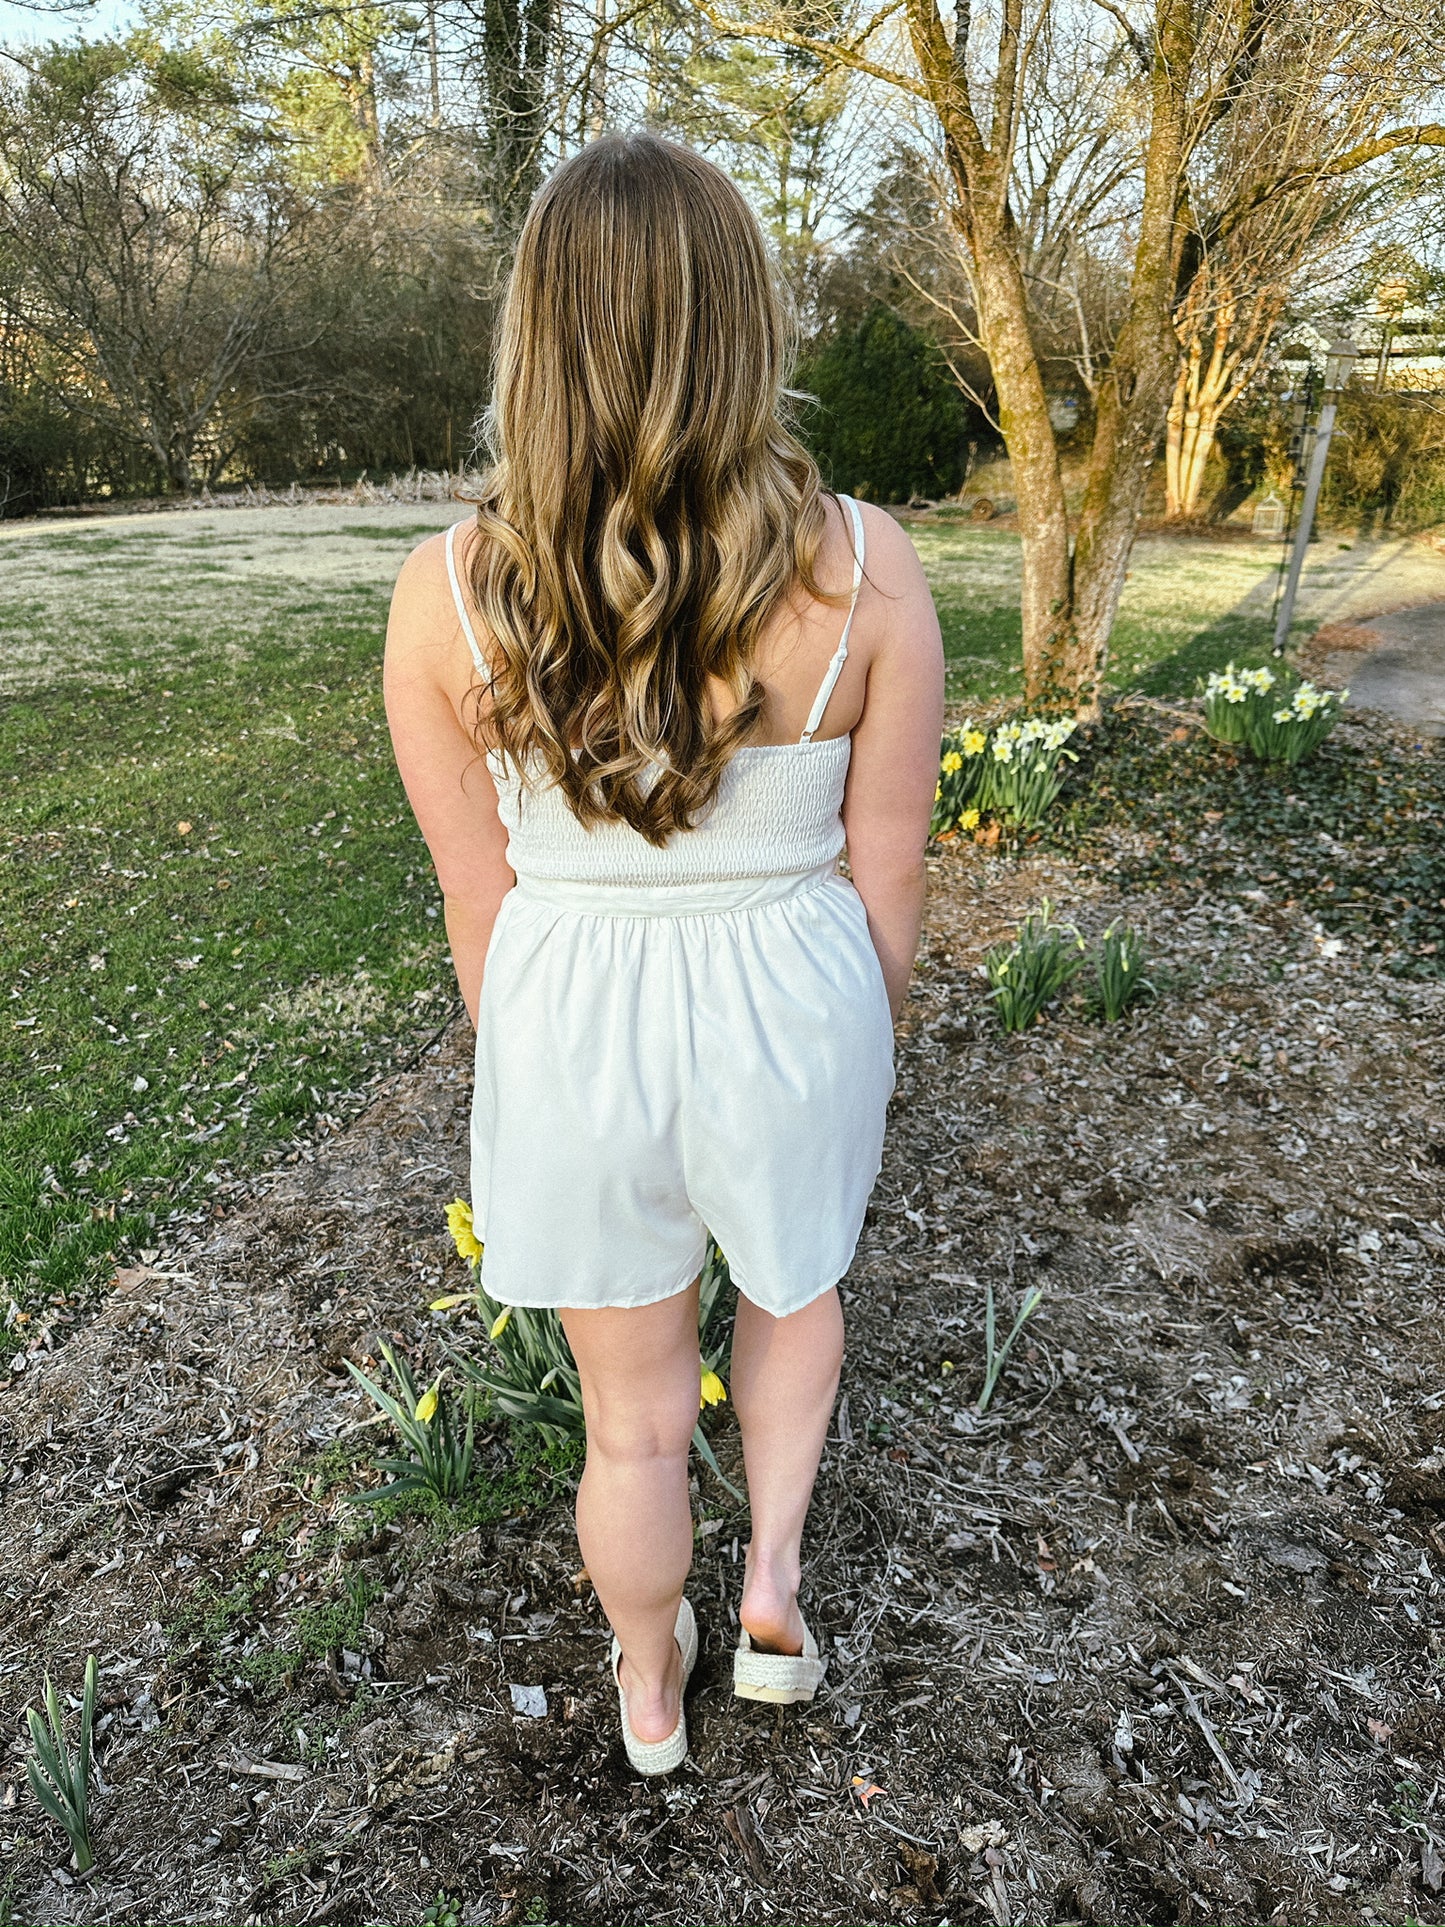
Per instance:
x=183, y=1002
x=1188, y=607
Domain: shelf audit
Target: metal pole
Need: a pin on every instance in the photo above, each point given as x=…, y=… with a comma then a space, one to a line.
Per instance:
x=1323, y=432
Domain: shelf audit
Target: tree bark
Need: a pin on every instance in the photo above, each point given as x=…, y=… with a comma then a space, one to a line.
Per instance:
x=1134, y=393
x=1236, y=332
x=1192, y=425
x=1023, y=415
x=985, y=224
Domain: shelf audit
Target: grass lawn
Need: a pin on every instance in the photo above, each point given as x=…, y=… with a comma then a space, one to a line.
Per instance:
x=219, y=923
x=1189, y=605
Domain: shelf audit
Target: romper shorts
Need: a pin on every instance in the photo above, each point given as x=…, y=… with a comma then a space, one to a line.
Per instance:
x=658, y=1062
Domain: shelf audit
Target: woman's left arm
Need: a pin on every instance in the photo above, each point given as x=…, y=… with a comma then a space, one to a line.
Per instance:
x=894, y=765
x=447, y=781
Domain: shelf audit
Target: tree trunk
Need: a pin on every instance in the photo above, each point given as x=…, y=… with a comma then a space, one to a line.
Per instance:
x=1202, y=391
x=1023, y=414
x=1174, y=443
x=1189, y=440
x=180, y=472
x=361, y=90
x=1069, y=603
x=1134, y=395
x=1205, y=389
x=1200, y=426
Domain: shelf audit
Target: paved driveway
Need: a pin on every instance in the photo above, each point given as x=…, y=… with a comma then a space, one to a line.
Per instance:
x=1405, y=673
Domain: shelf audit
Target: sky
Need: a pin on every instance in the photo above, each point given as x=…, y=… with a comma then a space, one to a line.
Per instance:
x=25, y=27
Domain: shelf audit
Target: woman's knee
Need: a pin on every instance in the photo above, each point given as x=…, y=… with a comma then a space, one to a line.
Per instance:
x=639, y=1371
x=639, y=1432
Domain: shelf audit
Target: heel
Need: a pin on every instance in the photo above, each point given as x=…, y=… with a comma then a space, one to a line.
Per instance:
x=779, y=1679
x=651, y=1757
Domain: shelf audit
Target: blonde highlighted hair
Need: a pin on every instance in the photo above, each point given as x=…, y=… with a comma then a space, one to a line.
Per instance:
x=647, y=507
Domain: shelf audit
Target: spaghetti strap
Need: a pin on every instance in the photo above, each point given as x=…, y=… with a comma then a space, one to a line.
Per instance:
x=840, y=654
x=467, y=630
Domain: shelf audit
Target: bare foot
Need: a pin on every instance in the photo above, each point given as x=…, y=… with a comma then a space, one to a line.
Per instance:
x=769, y=1611
x=653, y=1714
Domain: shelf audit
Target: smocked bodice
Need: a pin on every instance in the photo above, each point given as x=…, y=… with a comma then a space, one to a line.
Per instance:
x=777, y=813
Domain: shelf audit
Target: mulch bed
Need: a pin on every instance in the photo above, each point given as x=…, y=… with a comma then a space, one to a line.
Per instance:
x=1157, y=1638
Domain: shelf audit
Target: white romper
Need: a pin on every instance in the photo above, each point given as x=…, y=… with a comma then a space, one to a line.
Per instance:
x=679, y=1040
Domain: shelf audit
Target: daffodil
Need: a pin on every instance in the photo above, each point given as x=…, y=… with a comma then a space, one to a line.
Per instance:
x=969, y=820
x=952, y=763
x=501, y=1321
x=975, y=742
x=426, y=1405
x=937, y=792
x=452, y=1300
x=711, y=1391
x=459, y=1223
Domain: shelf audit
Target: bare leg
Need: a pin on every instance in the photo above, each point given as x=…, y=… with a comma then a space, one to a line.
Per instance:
x=639, y=1370
x=784, y=1380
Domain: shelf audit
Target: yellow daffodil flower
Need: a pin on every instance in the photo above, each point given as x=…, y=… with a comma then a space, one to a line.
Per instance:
x=501, y=1321
x=712, y=1390
x=426, y=1405
x=451, y=1301
x=974, y=742
x=952, y=763
x=969, y=820
x=459, y=1223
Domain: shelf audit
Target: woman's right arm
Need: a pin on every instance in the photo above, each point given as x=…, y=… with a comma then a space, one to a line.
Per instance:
x=893, y=770
x=447, y=781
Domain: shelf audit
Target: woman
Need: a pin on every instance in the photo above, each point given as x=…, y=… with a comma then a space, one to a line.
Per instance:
x=637, y=703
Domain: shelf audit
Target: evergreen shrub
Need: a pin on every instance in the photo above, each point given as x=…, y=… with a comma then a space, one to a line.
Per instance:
x=890, y=420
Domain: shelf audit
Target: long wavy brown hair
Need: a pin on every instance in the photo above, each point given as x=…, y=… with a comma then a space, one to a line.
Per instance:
x=647, y=506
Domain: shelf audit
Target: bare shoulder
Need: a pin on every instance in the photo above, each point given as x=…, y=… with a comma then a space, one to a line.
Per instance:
x=423, y=611
x=891, y=561
x=424, y=572
x=896, y=609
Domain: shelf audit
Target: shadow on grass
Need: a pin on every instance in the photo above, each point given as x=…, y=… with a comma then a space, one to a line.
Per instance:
x=982, y=649
x=1232, y=637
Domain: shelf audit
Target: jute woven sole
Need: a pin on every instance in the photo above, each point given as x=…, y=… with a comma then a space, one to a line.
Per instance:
x=660, y=1756
x=782, y=1679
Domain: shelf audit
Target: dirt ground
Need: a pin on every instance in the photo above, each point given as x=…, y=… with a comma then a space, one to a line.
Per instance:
x=1158, y=1638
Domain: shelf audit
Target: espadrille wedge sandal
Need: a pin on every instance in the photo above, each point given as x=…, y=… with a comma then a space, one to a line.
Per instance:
x=783, y=1679
x=660, y=1756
